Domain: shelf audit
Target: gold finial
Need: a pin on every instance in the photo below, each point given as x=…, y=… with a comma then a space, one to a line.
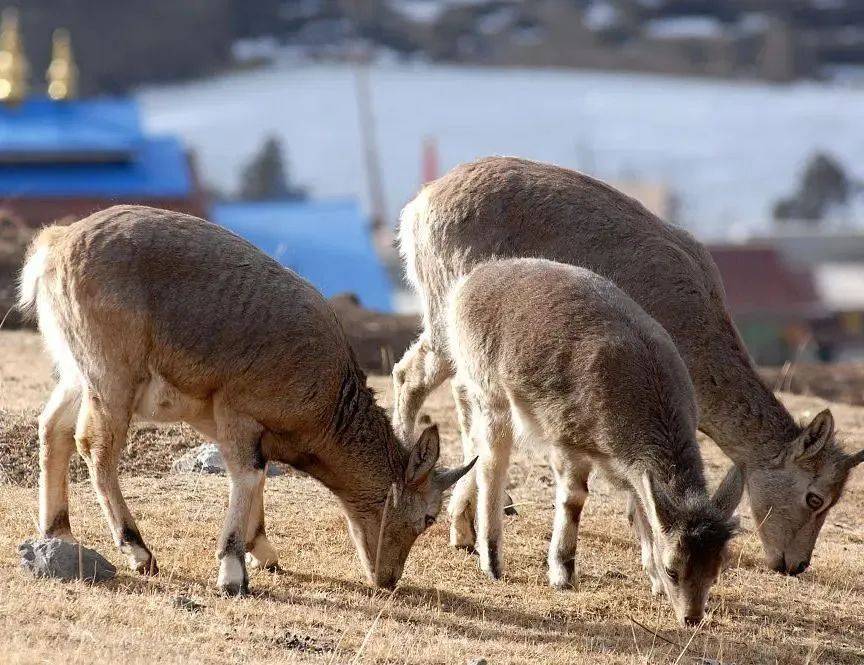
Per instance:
x=62, y=73
x=13, y=63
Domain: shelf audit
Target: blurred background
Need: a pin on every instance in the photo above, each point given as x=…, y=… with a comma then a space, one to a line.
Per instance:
x=305, y=126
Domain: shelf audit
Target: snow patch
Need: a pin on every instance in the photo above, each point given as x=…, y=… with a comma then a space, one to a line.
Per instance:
x=601, y=15
x=684, y=27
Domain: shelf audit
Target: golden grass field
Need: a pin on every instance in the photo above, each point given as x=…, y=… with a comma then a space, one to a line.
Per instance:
x=443, y=611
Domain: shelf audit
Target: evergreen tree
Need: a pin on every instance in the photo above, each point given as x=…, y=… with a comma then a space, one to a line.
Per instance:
x=823, y=186
x=265, y=177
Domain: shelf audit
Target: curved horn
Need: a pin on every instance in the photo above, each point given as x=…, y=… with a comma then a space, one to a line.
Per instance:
x=854, y=460
x=446, y=478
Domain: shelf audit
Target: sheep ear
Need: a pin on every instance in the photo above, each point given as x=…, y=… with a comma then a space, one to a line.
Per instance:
x=728, y=494
x=814, y=437
x=658, y=504
x=424, y=456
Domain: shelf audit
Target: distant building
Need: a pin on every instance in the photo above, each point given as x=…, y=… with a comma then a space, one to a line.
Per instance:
x=835, y=258
x=841, y=288
x=812, y=245
x=63, y=158
x=328, y=242
x=775, y=306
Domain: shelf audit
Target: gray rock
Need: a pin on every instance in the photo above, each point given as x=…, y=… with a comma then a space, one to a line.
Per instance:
x=203, y=459
x=207, y=459
x=62, y=560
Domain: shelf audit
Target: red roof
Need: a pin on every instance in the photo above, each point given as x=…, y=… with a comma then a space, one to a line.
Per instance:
x=758, y=279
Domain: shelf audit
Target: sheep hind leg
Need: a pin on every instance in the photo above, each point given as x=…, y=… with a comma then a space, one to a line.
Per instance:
x=56, y=446
x=100, y=435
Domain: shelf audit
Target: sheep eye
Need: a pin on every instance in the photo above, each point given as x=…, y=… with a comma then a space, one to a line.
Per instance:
x=673, y=575
x=430, y=520
x=814, y=501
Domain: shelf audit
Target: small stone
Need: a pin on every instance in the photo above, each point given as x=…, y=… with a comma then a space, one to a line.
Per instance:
x=477, y=661
x=59, y=559
x=203, y=459
x=206, y=458
x=184, y=603
x=614, y=574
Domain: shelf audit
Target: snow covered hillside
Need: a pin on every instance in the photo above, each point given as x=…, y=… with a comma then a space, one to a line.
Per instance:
x=728, y=149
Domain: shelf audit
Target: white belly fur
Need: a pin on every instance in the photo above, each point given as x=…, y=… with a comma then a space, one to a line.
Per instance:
x=159, y=401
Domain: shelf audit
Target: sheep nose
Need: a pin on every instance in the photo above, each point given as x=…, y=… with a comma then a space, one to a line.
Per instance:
x=386, y=583
x=800, y=568
x=387, y=580
x=692, y=620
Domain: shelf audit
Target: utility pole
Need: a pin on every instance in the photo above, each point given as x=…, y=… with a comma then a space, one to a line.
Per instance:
x=378, y=211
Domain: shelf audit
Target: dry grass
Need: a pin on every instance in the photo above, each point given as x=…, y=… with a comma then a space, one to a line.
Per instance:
x=444, y=610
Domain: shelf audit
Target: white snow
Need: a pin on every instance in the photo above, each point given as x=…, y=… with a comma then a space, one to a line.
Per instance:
x=428, y=11
x=753, y=23
x=419, y=11
x=297, y=9
x=728, y=150
x=256, y=49
x=497, y=21
x=840, y=285
x=601, y=15
x=684, y=27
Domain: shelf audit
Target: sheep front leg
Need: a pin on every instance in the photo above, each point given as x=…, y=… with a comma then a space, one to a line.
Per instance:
x=239, y=442
x=571, y=475
x=493, y=438
x=259, y=552
x=418, y=373
x=642, y=528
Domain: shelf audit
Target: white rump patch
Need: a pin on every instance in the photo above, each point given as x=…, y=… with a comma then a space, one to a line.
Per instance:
x=413, y=211
x=33, y=270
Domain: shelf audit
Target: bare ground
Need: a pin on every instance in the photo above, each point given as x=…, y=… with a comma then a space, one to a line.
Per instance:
x=444, y=610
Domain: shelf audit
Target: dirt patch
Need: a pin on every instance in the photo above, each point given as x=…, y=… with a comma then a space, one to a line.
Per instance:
x=378, y=339
x=838, y=383
x=302, y=643
x=149, y=453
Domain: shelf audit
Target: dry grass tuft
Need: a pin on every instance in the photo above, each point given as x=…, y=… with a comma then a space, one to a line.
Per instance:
x=444, y=610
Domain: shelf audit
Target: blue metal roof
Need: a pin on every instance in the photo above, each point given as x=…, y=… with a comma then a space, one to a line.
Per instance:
x=76, y=127
x=157, y=168
x=327, y=242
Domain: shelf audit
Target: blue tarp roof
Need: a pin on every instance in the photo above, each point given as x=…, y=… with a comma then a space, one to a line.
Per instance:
x=75, y=127
x=158, y=168
x=92, y=147
x=327, y=242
